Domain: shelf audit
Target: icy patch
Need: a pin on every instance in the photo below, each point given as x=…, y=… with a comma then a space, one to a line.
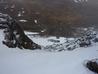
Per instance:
x=22, y=20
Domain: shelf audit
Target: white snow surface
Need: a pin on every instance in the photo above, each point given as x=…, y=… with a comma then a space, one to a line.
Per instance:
x=23, y=20
x=16, y=61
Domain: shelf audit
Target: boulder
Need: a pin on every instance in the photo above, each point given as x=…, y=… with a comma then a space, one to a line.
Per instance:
x=93, y=66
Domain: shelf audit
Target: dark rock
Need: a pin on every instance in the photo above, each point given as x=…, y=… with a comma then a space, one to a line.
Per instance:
x=95, y=40
x=15, y=36
x=84, y=44
x=93, y=66
x=55, y=41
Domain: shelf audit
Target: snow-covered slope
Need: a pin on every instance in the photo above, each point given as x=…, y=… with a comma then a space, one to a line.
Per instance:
x=16, y=61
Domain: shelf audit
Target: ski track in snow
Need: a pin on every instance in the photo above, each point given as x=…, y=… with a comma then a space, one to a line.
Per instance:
x=16, y=61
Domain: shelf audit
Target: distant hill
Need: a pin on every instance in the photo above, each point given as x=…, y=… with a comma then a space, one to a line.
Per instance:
x=56, y=17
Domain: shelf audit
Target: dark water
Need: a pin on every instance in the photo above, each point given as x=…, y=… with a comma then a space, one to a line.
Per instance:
x=54, y=17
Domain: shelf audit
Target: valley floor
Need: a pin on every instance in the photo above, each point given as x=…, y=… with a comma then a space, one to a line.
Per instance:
x=16, y=61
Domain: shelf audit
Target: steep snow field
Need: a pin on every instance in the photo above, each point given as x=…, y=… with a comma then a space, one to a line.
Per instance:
x=16, y=61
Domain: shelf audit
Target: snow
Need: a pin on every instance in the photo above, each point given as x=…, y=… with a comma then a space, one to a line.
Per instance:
x=2, y=20
x=35, y=21
x=23, y=11
x=19, y=14
x=78, y=1
x=43, y=30
x=23, y=20
x=30, y=33
x=16, y=61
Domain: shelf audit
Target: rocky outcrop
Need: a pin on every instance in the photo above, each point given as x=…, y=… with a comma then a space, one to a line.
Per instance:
x=86, y=39
x=14, y=34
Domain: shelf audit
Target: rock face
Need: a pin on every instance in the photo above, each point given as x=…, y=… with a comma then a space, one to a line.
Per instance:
x=15, y=36
x=92, y=65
